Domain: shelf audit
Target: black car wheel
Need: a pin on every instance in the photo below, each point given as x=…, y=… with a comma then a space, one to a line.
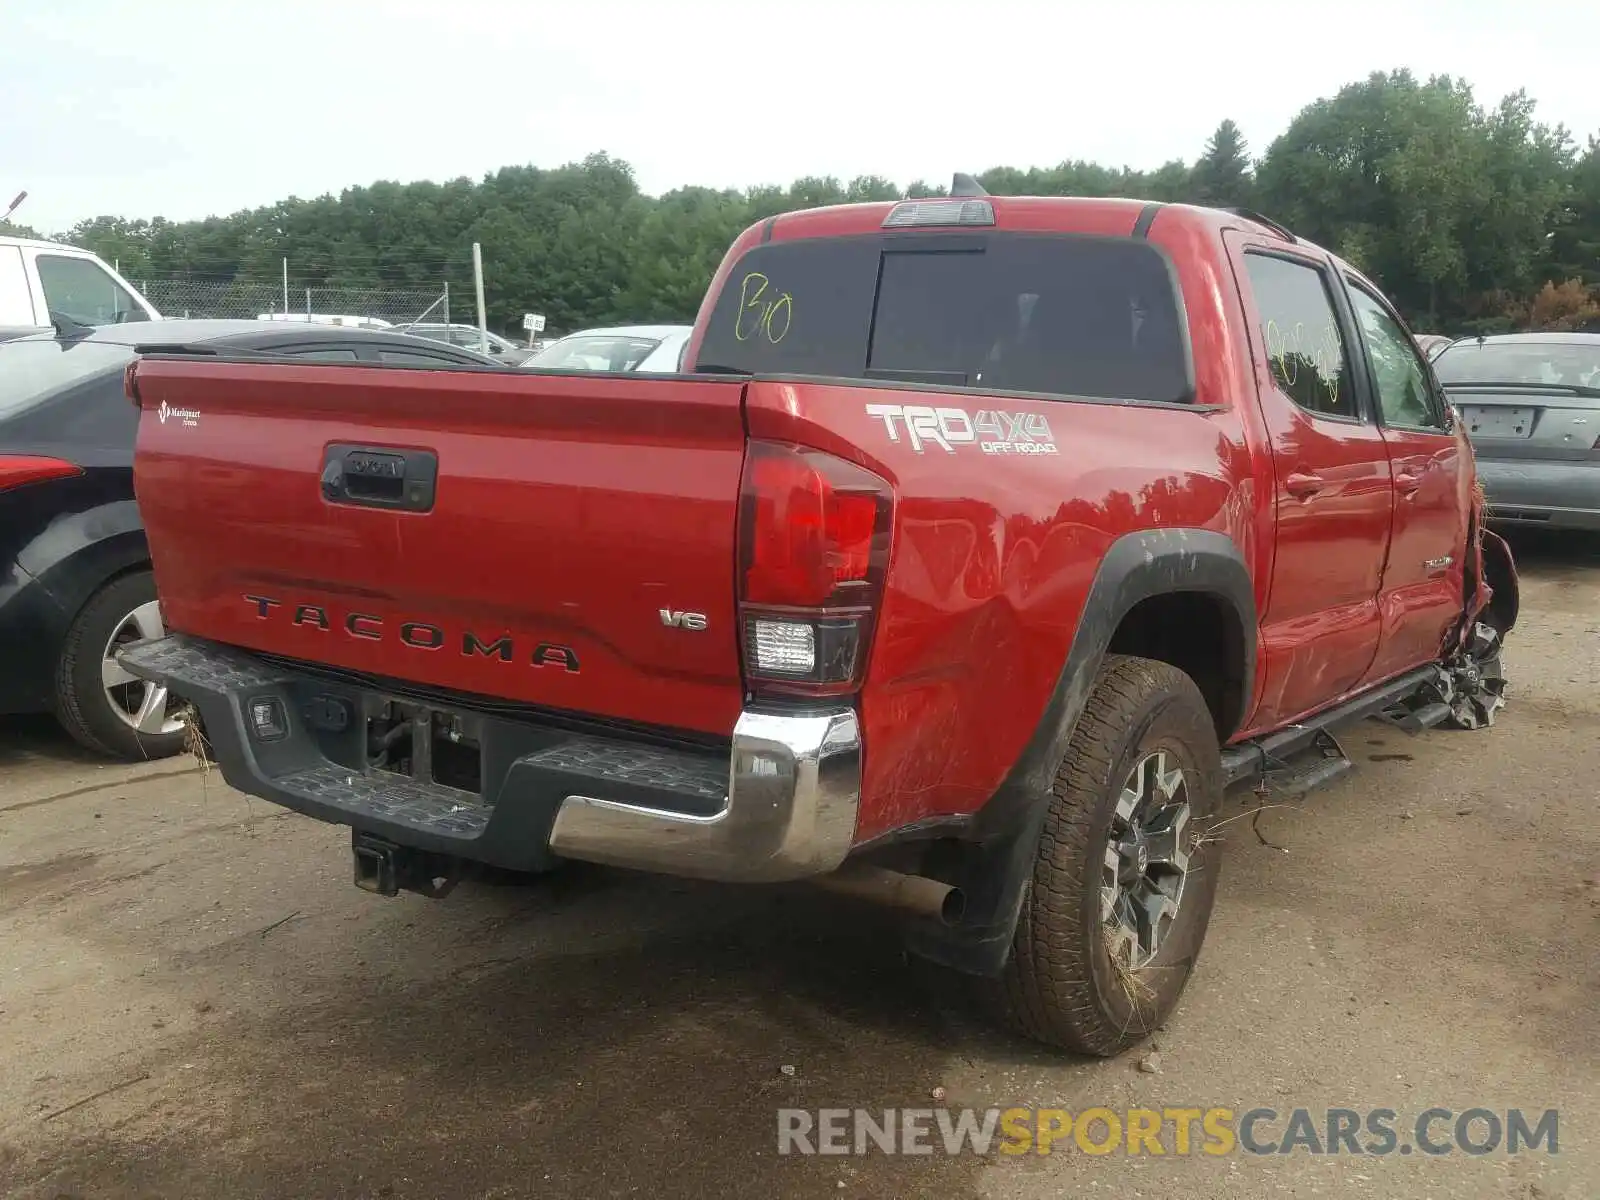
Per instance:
x=1126, y=873
x=101, y=704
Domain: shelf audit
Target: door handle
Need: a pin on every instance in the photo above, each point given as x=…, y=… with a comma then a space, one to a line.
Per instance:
x=1407, y=484
x=379, y=477
x=1302, y=485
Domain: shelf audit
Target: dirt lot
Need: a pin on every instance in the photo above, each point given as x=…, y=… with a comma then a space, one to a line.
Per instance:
x=194, y=1001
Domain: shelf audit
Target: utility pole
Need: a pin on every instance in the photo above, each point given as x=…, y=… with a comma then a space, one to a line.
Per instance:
x=477, y=280
x=286, y=285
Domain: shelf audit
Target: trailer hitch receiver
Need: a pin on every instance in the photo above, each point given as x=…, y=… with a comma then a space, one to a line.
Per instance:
x=387, y=869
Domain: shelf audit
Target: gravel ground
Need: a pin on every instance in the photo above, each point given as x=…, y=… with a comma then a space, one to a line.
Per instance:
x=194, y=1001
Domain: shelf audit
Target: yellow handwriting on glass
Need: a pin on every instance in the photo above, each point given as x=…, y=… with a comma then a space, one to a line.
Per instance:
x=762, y=311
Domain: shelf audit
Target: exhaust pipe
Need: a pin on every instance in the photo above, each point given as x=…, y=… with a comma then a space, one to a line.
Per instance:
x=909, y=893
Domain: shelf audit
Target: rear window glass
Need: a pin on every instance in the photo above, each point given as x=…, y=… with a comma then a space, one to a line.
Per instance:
x=1084, y=316
x=31, y=371
x=598, y=353
x=1570, y=364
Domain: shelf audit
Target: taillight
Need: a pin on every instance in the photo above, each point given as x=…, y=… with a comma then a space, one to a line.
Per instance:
x=814, y=547
x=16, y=470
x=130, y=382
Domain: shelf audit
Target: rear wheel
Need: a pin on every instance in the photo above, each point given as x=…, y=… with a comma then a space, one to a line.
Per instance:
x=1125, y=875
x=101, y=704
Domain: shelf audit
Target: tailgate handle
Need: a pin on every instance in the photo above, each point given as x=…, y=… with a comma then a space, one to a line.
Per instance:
x=379, y=477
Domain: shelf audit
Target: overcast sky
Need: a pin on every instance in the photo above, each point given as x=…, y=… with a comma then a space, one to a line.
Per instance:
x=184, y=108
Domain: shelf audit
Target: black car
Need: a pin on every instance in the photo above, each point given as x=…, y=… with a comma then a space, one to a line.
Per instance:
x=75, y=581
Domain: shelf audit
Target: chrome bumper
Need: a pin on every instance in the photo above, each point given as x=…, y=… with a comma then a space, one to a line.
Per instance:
x=794, y=786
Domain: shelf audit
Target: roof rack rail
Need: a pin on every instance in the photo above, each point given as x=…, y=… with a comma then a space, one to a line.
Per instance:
x=1249, y=214
x=965, y=185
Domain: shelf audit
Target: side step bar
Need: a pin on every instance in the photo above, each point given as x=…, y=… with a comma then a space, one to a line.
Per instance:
x=1255, y=762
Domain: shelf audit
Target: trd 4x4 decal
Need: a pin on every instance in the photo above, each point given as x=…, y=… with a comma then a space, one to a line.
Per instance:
x=995, y=431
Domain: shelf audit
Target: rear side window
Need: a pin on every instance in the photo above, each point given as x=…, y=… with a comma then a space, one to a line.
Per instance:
x=32, y=370
x=1301, y=334
x=81, y=289
x=1063, y=315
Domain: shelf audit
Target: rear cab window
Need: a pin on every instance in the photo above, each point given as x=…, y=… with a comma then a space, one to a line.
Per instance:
x=1058, y=314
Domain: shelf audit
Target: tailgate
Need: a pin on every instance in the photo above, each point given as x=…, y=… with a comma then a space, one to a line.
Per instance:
x=559, y=541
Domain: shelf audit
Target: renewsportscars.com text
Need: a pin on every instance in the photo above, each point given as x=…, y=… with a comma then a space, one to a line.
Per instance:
x=1174, y=1131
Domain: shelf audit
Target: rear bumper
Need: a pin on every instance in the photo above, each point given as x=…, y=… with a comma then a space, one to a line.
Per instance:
x=1529, y=492
x=778, y=804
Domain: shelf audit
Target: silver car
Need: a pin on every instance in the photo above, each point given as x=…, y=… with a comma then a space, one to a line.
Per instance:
x=467, y=336
x=1531, y=405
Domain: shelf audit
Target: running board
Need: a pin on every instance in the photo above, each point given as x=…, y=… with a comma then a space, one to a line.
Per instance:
x=1312, y=768
x=1252, y=762
x=1414, y=720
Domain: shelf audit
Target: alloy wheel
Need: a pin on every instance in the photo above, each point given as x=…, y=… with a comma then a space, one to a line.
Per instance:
x=1146, y=859
x=143, y=706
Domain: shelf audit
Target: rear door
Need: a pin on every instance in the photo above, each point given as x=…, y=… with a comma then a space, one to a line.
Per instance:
x=1422, y=583
x=1333, y=495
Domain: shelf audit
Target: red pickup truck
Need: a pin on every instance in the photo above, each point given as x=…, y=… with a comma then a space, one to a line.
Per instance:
x=983, y=545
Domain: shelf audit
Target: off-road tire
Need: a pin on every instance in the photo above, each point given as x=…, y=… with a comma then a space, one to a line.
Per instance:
x=1060, y=985
x=82, y=706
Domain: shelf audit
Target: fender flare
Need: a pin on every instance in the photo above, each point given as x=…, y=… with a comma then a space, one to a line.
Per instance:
x=1005, y=833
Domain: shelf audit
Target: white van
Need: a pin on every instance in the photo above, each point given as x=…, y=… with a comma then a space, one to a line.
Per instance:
x=38, y=279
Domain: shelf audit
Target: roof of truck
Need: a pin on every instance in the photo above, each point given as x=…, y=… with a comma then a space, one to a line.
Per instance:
x=42, y=244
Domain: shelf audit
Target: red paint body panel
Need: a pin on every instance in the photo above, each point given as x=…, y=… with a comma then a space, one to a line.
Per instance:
x=1422, y=602
x=991, y=564
x=570, y=510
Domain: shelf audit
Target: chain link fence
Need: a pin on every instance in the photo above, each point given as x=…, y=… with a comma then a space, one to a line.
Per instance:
x=252, y=298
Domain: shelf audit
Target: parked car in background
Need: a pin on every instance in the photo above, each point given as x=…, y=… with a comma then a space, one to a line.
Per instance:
x=667, y=357
x=1531, y=405
x=1432, y=343
x=623, y=348
x=345, y=321
x=75, y=580
x=43, y=282
x=504, y=350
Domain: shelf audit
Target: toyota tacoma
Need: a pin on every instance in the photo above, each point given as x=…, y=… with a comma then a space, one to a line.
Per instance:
x=981, y=547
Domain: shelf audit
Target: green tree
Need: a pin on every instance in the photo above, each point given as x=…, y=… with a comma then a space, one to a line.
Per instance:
x=1418, y=186
x=1575, y=242
x=1222, y=176
x=1462, y=214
